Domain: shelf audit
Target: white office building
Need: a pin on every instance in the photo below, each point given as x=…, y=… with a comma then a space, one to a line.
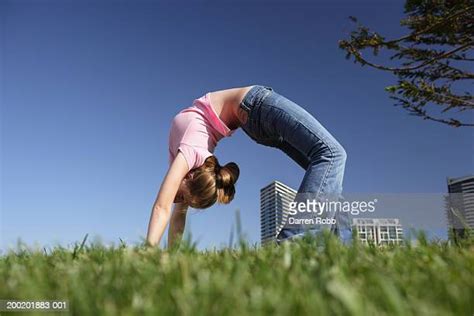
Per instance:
x=379, y=231
x=274, y=204
x=460, y=206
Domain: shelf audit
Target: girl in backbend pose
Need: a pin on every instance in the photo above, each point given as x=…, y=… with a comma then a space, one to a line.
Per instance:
x=196, y=179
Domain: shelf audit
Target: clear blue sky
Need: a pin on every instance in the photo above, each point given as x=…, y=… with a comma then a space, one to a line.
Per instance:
x=89, y=89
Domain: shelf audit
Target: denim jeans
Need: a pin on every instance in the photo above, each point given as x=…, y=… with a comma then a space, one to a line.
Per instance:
x=275, y=121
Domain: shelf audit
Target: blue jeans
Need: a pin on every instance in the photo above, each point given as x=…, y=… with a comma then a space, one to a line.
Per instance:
x=276, y=121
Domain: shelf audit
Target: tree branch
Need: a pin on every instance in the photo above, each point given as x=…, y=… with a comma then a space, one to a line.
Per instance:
x=431, y=27
x=419, y=112
x=358, y=55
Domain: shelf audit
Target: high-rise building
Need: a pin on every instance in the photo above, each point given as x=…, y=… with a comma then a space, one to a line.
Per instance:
x=460, y=206
x=274, y=204
x=379, y=231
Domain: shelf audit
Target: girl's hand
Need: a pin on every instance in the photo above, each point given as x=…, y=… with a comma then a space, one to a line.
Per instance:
x=177, y=224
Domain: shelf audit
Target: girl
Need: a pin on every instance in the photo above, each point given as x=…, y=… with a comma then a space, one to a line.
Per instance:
x=195, y=177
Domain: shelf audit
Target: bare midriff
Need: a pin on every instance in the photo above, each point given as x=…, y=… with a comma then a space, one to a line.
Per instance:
x=226, y=103
x=242, y=115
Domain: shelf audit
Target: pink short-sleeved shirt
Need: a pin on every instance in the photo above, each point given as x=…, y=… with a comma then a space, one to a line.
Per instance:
x=195, y=132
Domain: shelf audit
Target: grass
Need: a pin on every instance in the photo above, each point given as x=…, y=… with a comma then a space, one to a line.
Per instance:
x=313, y=276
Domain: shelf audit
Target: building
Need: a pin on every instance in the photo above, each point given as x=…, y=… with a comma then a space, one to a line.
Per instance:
x=379, y=231
x=460, y=206
x=274, y=203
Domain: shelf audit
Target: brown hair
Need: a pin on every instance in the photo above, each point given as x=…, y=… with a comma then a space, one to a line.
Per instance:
x=211, y=183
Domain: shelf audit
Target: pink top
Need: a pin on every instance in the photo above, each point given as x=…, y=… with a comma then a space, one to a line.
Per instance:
x=195, y=132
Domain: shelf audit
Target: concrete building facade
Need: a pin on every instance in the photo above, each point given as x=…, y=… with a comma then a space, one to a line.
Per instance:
x=380, y=231
x=274, y=204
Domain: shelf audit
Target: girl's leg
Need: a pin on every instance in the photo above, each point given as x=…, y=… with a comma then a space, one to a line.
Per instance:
x=289, y=127
x=279, y=122
x=322, y=180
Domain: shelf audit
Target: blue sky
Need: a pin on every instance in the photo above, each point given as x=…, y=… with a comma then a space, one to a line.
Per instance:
x=88, y=89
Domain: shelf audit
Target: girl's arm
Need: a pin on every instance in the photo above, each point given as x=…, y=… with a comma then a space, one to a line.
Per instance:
x=177, y=223
x=161, y=211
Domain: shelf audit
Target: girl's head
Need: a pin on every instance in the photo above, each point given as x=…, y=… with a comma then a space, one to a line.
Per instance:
x=210, y=183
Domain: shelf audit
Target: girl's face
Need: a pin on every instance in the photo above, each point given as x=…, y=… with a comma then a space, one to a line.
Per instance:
x=179, y=198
